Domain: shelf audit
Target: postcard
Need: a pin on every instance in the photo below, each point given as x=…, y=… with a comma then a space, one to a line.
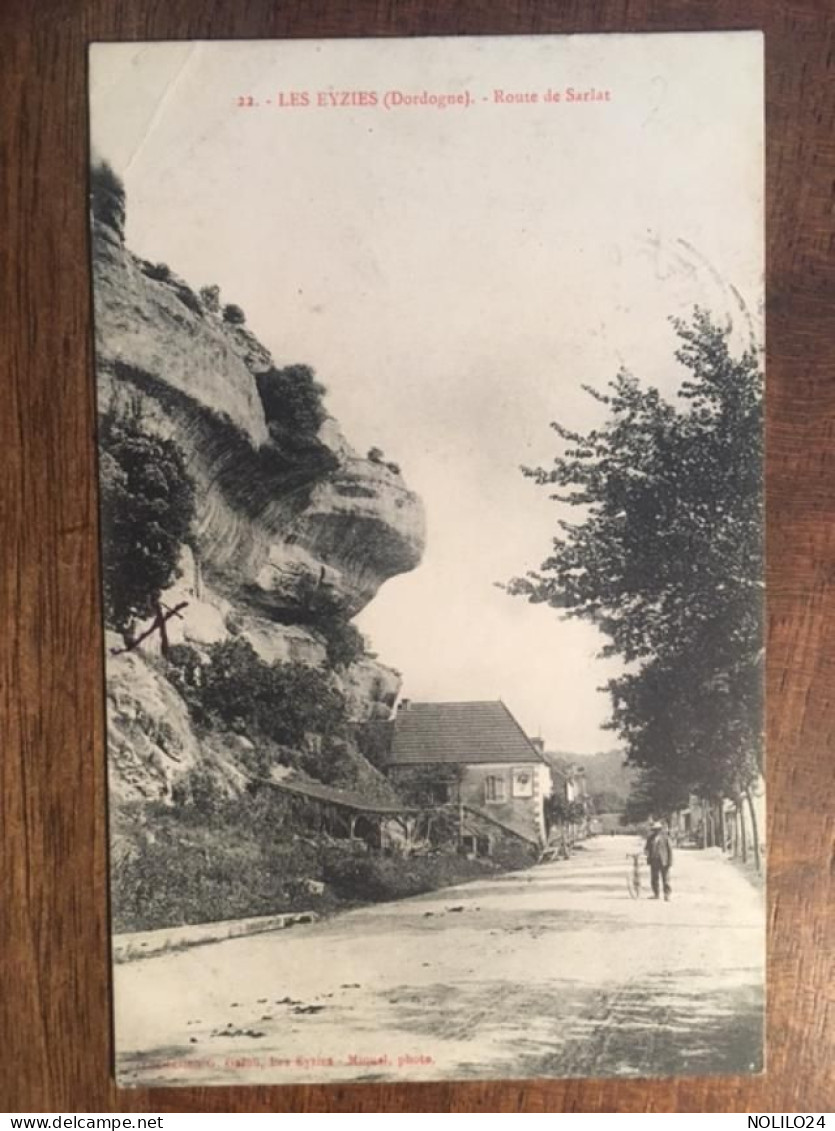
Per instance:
x=429, y=380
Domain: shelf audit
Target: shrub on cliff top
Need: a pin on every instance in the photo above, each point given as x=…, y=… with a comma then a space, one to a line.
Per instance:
x=210, y=297
x=233, y=314
x=107, y=196
x=160, y=272
x=292, y=399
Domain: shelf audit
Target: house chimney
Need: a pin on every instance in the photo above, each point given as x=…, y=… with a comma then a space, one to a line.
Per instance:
x=403, y=705
x=538, y=745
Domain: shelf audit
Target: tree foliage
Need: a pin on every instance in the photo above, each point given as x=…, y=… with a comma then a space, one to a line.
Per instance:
x=107, y=196
x=284, y=702
x=292, y=399
x=657, y=793
x=147, y=507
x=316, y=605
x=436, y=784
x=560, y=811
x=666, y=559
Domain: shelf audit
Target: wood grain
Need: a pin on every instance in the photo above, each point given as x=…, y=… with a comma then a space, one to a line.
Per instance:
x=54, y=1000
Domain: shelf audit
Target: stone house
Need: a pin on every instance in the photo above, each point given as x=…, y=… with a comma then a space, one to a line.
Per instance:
x=475, y=757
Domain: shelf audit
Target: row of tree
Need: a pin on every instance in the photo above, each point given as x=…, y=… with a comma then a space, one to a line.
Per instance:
x=666, y=560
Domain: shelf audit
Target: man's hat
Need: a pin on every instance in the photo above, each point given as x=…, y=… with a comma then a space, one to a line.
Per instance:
x=656, y=825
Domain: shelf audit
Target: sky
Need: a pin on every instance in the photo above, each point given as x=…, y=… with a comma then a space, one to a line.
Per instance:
x=454, y=276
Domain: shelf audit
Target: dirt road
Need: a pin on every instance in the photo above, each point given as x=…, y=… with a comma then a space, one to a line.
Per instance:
x=550, y=972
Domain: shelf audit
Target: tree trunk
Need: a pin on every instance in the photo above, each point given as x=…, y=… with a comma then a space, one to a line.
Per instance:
x=159, y=623
x=755, y=832
x=743, y=835
x=722, y=831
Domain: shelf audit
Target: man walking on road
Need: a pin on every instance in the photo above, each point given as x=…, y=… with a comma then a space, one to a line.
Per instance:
x=659, y=853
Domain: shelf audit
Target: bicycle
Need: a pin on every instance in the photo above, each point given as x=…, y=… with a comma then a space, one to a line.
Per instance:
x=633, y=876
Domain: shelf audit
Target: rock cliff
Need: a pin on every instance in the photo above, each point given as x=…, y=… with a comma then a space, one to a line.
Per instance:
x=273, y=515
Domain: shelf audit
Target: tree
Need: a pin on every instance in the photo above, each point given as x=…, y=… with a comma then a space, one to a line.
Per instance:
x=344, y=643
x=655, y=794
x=431, y=785
x=666, y=561
x=147, y=508
x=292, y=399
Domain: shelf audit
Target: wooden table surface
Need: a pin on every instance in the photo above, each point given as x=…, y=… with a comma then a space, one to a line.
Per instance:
x=53, y=918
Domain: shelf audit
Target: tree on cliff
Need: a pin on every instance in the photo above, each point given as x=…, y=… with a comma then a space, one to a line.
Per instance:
x=107, y=196
x=666, y=560
x=285, y=701
x=292, y=704
x=147, y=507
x=292, y=399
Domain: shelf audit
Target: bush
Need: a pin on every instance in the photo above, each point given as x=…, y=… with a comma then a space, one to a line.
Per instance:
x=292, y=399
x=344, y=643
x=210, y=297
x=185, y=668
x=233, y=314
x=394, y=468
x=361, y=875
x=188, y=298
x=159, y=271
x=199, y=795
x=319, y=607
x=376, y=455
x=194, y=872
x=373, y=739
x=239, y=690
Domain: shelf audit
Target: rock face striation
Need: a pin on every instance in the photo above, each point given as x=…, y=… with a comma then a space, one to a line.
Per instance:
x=274, y=515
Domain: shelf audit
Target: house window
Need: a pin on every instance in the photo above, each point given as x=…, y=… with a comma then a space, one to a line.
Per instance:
x=494, y=789
x=522, y=783
x=475, y=845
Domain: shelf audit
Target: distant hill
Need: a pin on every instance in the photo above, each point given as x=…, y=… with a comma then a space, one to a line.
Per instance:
x=609, y=781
